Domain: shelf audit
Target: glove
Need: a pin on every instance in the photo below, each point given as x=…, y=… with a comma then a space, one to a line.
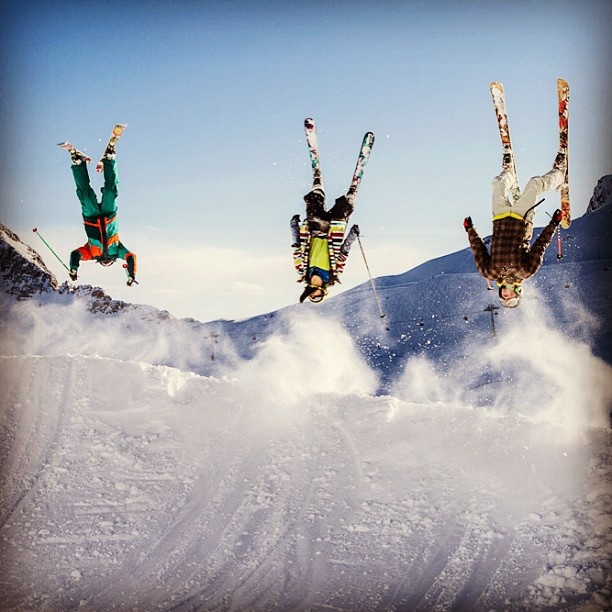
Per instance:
x=355, y=230
x=295, y=219
x=557, y=216
x=73, y=275
x=131, y=281
x=467, y=223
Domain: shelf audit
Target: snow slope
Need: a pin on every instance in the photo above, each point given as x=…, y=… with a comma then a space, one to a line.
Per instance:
x=313, y=459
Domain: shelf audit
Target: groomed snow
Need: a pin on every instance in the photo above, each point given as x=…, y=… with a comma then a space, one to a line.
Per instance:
x=288, y=485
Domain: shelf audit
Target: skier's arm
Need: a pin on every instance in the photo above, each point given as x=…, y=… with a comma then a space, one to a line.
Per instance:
x=82, y=253
x=536, y=253
x=348, y=241
x=343, y=253
x=75, y=260
x=295, y=230
x=131, y=262
x=296, y=245
x=482, y=259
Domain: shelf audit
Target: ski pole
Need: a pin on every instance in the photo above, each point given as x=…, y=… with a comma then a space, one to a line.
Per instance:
x=382, y=314
x=559, y=245
x=534, y=206
x=35, y=230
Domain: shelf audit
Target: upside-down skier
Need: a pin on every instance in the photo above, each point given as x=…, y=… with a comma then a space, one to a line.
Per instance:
x=511, y=259
x=319, y=246
x=99, y=217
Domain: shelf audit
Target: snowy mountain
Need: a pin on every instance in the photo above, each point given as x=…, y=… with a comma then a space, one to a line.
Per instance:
x=23, y=272
x=447, y=456
x=601, y=194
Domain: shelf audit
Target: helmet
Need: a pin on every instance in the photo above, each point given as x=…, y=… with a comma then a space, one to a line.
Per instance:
x=106, y=261
x=515, y=300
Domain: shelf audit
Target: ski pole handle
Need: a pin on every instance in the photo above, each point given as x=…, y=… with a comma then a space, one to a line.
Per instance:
x=559, y=245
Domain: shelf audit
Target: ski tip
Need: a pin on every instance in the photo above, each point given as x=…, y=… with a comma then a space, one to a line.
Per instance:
x=309, y=121
x=496, y=85
x=368, y=138
x=562, y=84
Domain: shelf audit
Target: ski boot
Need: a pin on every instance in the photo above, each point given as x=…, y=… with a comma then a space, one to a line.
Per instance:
x=78, y=157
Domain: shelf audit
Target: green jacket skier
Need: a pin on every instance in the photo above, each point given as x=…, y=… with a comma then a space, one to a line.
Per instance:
x=99, y=217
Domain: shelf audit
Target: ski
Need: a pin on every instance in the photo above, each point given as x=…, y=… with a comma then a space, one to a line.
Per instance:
x=310, y=128
x=110, y=146
x=563, y=98
x=508, y=163
x=74, y=152
x=362, y=160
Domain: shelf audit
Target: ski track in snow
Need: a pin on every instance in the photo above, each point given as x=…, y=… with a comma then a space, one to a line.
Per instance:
x=170, y=491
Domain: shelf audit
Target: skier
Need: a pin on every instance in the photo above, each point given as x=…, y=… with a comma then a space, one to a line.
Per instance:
x=99, y=218
x=319, y=247
x=511, y=259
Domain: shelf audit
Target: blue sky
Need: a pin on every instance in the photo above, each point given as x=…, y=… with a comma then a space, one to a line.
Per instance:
x=213, y=162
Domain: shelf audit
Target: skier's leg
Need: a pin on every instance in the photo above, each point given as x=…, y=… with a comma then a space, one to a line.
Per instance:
x=87, y=196
x=342, y=209
x=317, y=216
x=110, y=190
x=525, y=205
x=315, y=203
x=501, y=184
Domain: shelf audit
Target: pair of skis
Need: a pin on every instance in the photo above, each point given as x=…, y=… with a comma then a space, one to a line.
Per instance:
x=315, y=161
x=108, y=150
x=508, y=163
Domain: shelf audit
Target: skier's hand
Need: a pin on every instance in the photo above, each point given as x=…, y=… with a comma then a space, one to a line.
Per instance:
x=355, y=230
x=295, y=219
x=557, y=216
x=467, y=223
x=73, y=275
x=131, y=281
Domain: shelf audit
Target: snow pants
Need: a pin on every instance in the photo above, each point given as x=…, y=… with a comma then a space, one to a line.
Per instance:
x=90, y=206
x=525, y=205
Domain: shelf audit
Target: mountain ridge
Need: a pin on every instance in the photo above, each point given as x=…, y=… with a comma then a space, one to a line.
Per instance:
x=436, y=309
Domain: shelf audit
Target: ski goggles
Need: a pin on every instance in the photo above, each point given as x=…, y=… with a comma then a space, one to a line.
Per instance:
x=516, y=287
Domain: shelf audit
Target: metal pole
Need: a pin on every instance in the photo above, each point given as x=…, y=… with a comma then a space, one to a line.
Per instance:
x=490, y=308
x=35, y=230
x=382, y=314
